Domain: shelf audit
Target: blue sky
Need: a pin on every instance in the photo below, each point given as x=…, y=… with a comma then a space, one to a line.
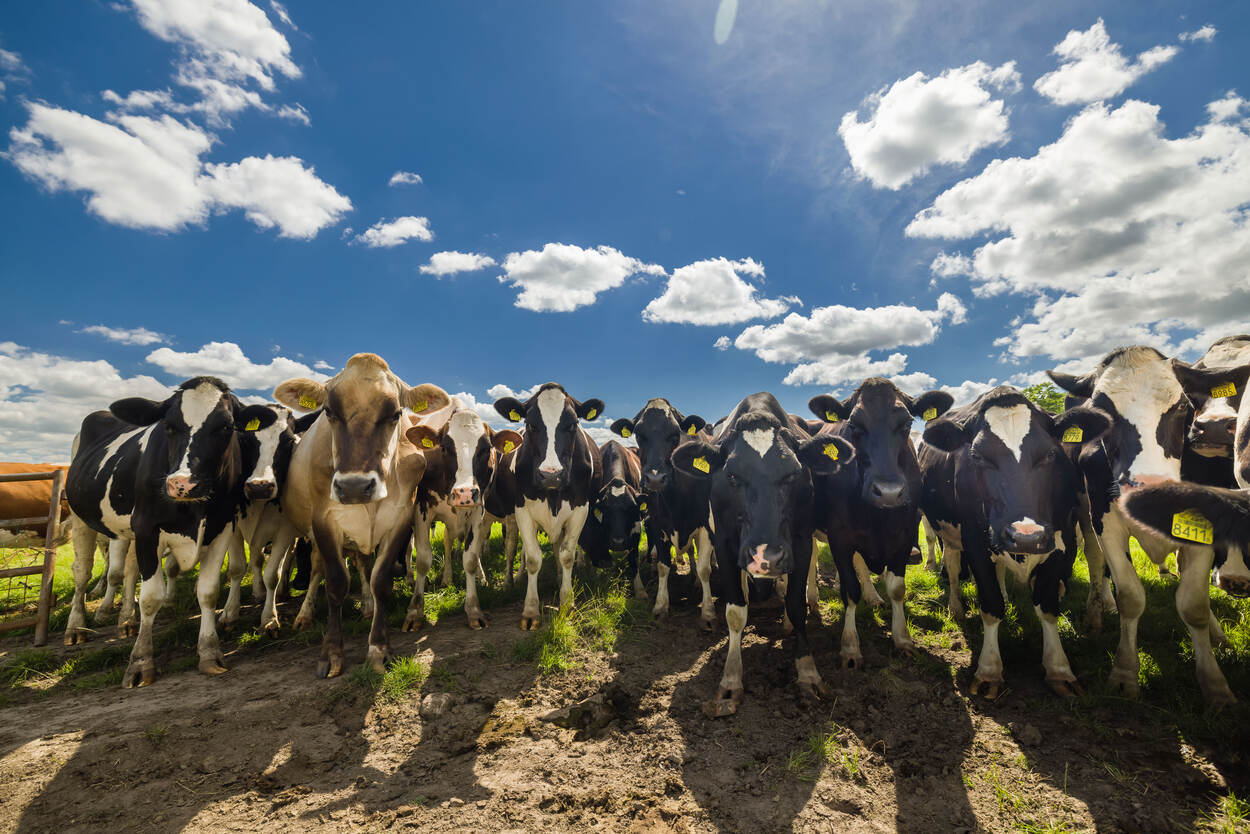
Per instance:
x=690, y=199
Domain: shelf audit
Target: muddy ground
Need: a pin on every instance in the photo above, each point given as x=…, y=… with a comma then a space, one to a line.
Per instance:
x=617, y=743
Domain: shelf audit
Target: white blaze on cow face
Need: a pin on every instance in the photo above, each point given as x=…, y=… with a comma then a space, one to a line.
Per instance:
x=761, y=440
x=195, y=405
x=465, y=429
x=550, y=407
x=1142, y=387
x=269, y=439
x=1010, y=425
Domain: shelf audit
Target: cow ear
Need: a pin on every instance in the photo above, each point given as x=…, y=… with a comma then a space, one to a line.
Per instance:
x=505, y=441
x=1081, y=424
x=1211, y=382
x=692, y=424
x=510, y=408
x=423, y=437
x=424, y=398
x=1081, y=386
x=1187, y=512
x=698, y=458
x=931, y=405
x=825, y=455
x=139, y=411
x=254, y=418
x=590, y=409
x=945, y=435
x=624, y=427
x=302, y=394
x=827, y=408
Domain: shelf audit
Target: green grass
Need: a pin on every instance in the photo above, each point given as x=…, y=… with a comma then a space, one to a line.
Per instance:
x=829, y=745
x=595, y=622
x=401, y=678
x=1231, y=815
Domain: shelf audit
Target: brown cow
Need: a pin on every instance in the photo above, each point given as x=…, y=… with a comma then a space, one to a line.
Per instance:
x=30, y=499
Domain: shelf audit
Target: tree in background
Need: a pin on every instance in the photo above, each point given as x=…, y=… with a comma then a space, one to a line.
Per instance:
x=1046, y=396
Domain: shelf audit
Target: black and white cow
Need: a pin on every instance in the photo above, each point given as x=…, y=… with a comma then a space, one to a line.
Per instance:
x=678, y=507
x=460, y=461
x=169, y=475
x=1209, y=444
x=1138, y=388
x=873, y=509
x=615, y=521
x=998, y=485
x=761, y=466
x=550, y=482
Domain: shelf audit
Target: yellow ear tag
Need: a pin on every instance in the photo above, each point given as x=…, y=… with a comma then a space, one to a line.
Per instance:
x=672, y=551
x=590, y=415
x=692, y=431
x=642, y=507
x=513, y=416
x=1192, y=526
x=1225, y=390
x=626, y=433
x=598, y=515
x=830, y=417
x=252, y=424
x=427, y=443
x=306, y=402
x=1073, y=435
x=831, y=451
x=929, y=414
x=420, y=406
x=702, y=465
x=508, y=446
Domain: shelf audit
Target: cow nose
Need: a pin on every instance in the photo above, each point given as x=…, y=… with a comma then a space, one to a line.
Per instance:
x=548, y=477
x=1213, y=432
x=887, y=493
x=179, y=486
x=354, y=489
x=765, y=561
x=260, y=490
x=1028, y=537
x=654, y=480
x=1235, y=585
x=465, y=496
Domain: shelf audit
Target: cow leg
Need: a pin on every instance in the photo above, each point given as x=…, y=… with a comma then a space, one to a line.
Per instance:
x=365, y=571
x=952, y=558
x=865, y=581
x=707, y=607
x=235, y=571
x=663, y=565
x=308, y=608
x=783, y=591
x=729, y=693
x=1099, y=599
x=852, y=658
x=449, y=553
x=207, y=587
x=141, y=670
x=931, y=546
x=473, y=572
x=84, y=539
x=1130, y=598
x=993, y=608
x=1193, y=603
x=421, y=562
x=97, y=590
x=813, y=582
x=126, y=624
x=896, y=589
x=337, y=582
x=386, y=568
x=811, y=687
x=256, y=559
x=568, y=550
x=1047, y=582
x=510, y=545
x=114, y=573
x=531, y=614
x=274, y=568
x=635, y=571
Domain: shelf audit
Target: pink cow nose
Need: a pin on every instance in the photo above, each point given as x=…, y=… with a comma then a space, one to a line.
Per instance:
x=1022, y=528
x=260, y=490
x=179, y=486
x=464, y=496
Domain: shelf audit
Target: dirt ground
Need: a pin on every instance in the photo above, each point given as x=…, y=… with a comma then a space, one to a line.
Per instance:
x=619, y=743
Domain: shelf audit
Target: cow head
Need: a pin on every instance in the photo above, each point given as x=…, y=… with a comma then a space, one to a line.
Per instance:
x=361, y=407
x=1216, y=394
x=878, y=419
x=199, y=422
x=551, y=432
x=267, y=453
x=657, y=429
x=619, y=508
x=761, y=475
x=1011, y=467
x=470, y=451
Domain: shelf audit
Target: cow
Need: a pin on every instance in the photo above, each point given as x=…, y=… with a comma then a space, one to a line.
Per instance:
x=615, y=521
x=351, y=485
x=874, y=508
x=997, y=483
x=549, y=482
x=760, y=466
x=678, y=509
x=461, y=457
x=168, y=475
x=1150, y=415
x=30, y=499
x=1209, y=444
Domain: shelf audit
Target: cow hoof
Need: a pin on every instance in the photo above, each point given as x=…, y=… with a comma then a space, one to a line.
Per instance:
x=852, y=662
x=1124, y=682
x=213, y=665
x=272, y=628
x=128, y=629
x=301, y=623
x=641, y=593
x=530, y=623
x=1065, y=688
x=378, y=658
x=660, y=613
x=811, y=694
x=77, y=636
x=708, y=624
x=477, y=621
x=139, y=673
x=907, y=650
x=228, y=626
x=329, y=667
x=415, y=621
x=725, y=703
x=814, y=607
x=991, y=688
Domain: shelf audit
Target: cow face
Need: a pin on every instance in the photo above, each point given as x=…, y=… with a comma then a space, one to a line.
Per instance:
x=657, y=429
x=619, y=509
x=470, y=451
x=1216, y=395
x=361, y=407
x=199, y=423
x=1011, y=467
x=762, y=480
x=267, y=453
x=1150, y=414
x=551, y=432
x=879, y=417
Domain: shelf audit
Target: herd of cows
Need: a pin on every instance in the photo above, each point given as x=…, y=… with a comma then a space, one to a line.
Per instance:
x=1148, y=447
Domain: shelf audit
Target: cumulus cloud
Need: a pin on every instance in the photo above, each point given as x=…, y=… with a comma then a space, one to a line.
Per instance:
x=919, y=122
x=449, y=263
x=323, y=365
x=1092, y=68
x=500, y=390
x=387, y=233
x=276, y=191
x=1227, y=108
x=968, y=390
x=227, y=361
x=404, y=178
x=1122, y=235
x=715, y=291
x=723, y=343
x=947, y=265
x=127, y=336
x=1205, y=33
x=561, y=277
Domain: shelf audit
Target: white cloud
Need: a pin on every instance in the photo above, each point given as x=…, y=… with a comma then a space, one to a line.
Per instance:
x=832, y=345
x=560, y=277
x=1092, y=68
x=294, y=113
x=500, y=390
x=714, y=291
x=127, y=336
x=968, y=390
x=919, y=122
x=145, y=172
x=282, y=13
x=387, y=233
x=11, y=69
x=140, y=100
x=227, y=361
x=946, y=265
x=404, y=178
x=1206, y=33
x=449, y=263
x=43, y=399
x=323, y=365
x=1123, y=235
x=1227, y=108
x=723, y=343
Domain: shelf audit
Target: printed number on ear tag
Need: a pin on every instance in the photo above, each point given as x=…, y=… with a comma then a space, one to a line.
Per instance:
x=508, y=446
x=590, y=415
x=307, y=402
x=830, y=417
x=1073, y=435
x=1225, y=390
x=929, y=414
x=626, y=433
x=702, y=465
x=692, y=431
x=513, y=416
x=831, y=451
x=1193, y=526
x=427, y=443
x=420, y=406
x=252, y=424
